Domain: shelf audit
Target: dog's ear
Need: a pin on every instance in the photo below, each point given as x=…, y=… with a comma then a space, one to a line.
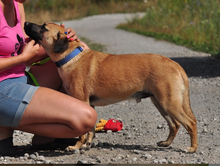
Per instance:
x=61, y=45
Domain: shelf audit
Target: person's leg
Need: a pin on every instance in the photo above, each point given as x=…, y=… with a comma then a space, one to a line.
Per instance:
x=54, y=114
x=5, y=132
x=47, y=76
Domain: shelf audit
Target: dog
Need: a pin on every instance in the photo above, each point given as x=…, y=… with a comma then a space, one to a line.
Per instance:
x=101, y=79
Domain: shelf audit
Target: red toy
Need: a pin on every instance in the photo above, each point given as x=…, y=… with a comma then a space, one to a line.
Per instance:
x=112, y=124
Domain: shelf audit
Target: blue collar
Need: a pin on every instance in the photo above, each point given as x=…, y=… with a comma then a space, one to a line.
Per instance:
x=69, y=57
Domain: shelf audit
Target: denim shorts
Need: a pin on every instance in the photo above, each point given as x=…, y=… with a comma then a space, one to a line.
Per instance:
x=15, y=95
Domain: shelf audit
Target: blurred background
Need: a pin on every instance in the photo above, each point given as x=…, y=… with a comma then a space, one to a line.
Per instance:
x=192, y=23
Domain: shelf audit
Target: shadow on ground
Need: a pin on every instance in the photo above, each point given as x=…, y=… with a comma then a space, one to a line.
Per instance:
x=205, y=67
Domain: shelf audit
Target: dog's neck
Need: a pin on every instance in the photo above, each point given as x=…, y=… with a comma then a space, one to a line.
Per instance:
x=55, y=57
x=70, y=56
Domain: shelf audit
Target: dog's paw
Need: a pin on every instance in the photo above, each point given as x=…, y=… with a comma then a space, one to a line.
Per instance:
x=71, y=148
x=189, y=150
x=86, y=146
x=163, y=144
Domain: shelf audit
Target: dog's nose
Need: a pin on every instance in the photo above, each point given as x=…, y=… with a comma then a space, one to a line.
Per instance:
x=26, y=23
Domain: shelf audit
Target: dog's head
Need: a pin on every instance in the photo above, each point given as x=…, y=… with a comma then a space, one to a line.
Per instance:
x=51, y=36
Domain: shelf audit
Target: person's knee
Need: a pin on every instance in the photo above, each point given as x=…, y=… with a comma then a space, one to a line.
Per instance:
x=90, y=119
x=84, y=121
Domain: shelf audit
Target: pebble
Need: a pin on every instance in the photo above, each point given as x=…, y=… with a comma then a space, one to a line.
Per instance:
x=26, y=155
x=171, y=162
x=205, y=129
x=136, y=151
x=82, y=162
x=76, y=151
x=40, y=158
x=47, y=162
x=147, y=156
x=108, y=131
x=32, y=156
x=163, y=161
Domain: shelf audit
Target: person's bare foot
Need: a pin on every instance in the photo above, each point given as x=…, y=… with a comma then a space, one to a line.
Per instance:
x=41, y=140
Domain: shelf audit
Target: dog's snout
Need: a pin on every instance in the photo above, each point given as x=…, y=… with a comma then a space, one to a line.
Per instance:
x=26, y=23
x=33, y=31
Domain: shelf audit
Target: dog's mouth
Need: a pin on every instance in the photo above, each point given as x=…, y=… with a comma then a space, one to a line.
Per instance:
x=34, y=31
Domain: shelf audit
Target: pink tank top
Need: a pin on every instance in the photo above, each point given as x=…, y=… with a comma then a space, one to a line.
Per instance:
x=11, y=44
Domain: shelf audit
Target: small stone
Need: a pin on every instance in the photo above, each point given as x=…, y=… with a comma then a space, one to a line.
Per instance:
x=26, y=155
x=128, y=137
x=39, y=162
x=171, y=162
x=76, y=151
x=47, y=162
x=156, y=161
x=21, y=158
x=98, y=160
x=82, y=151
x=163, y=161
x=147, y=156
x=32, y=156
x=159, y=127
x=205, y=130
x=36, y=154
x=108, y=131
x=40, y=158
x=136, y=151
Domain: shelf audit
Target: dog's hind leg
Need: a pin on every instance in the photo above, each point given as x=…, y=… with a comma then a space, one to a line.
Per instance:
x=173, y=124
x=175, y=109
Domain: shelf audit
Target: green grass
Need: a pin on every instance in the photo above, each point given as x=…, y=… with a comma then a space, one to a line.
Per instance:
x=192, y=23
x=93, y=46
x=58, y=10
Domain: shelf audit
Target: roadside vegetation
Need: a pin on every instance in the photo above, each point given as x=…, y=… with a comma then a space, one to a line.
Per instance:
x=192, y=23
x=59, y=10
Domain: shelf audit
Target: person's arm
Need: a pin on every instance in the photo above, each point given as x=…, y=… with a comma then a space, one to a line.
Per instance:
x=29, y=51
x=42, y=54
x=22, y=16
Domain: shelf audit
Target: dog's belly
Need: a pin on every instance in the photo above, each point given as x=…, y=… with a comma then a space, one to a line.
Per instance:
x=100, y=101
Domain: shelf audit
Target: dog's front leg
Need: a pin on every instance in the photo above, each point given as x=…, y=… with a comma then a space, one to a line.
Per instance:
x=90, y=136
x=79, y=143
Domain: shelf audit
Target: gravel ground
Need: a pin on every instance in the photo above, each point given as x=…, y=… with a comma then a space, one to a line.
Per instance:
x=143, y=125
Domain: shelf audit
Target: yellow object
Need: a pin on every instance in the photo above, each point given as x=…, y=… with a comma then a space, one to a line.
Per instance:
x=100, y=126
x=103, y=121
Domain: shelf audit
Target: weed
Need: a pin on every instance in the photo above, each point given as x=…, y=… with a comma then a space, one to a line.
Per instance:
x=192, y=23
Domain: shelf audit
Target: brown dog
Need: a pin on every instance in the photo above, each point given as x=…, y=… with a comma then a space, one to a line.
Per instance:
x=100, y=79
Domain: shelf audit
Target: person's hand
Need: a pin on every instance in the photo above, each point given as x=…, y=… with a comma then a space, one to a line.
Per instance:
x=30, y=50
x=70, y=33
